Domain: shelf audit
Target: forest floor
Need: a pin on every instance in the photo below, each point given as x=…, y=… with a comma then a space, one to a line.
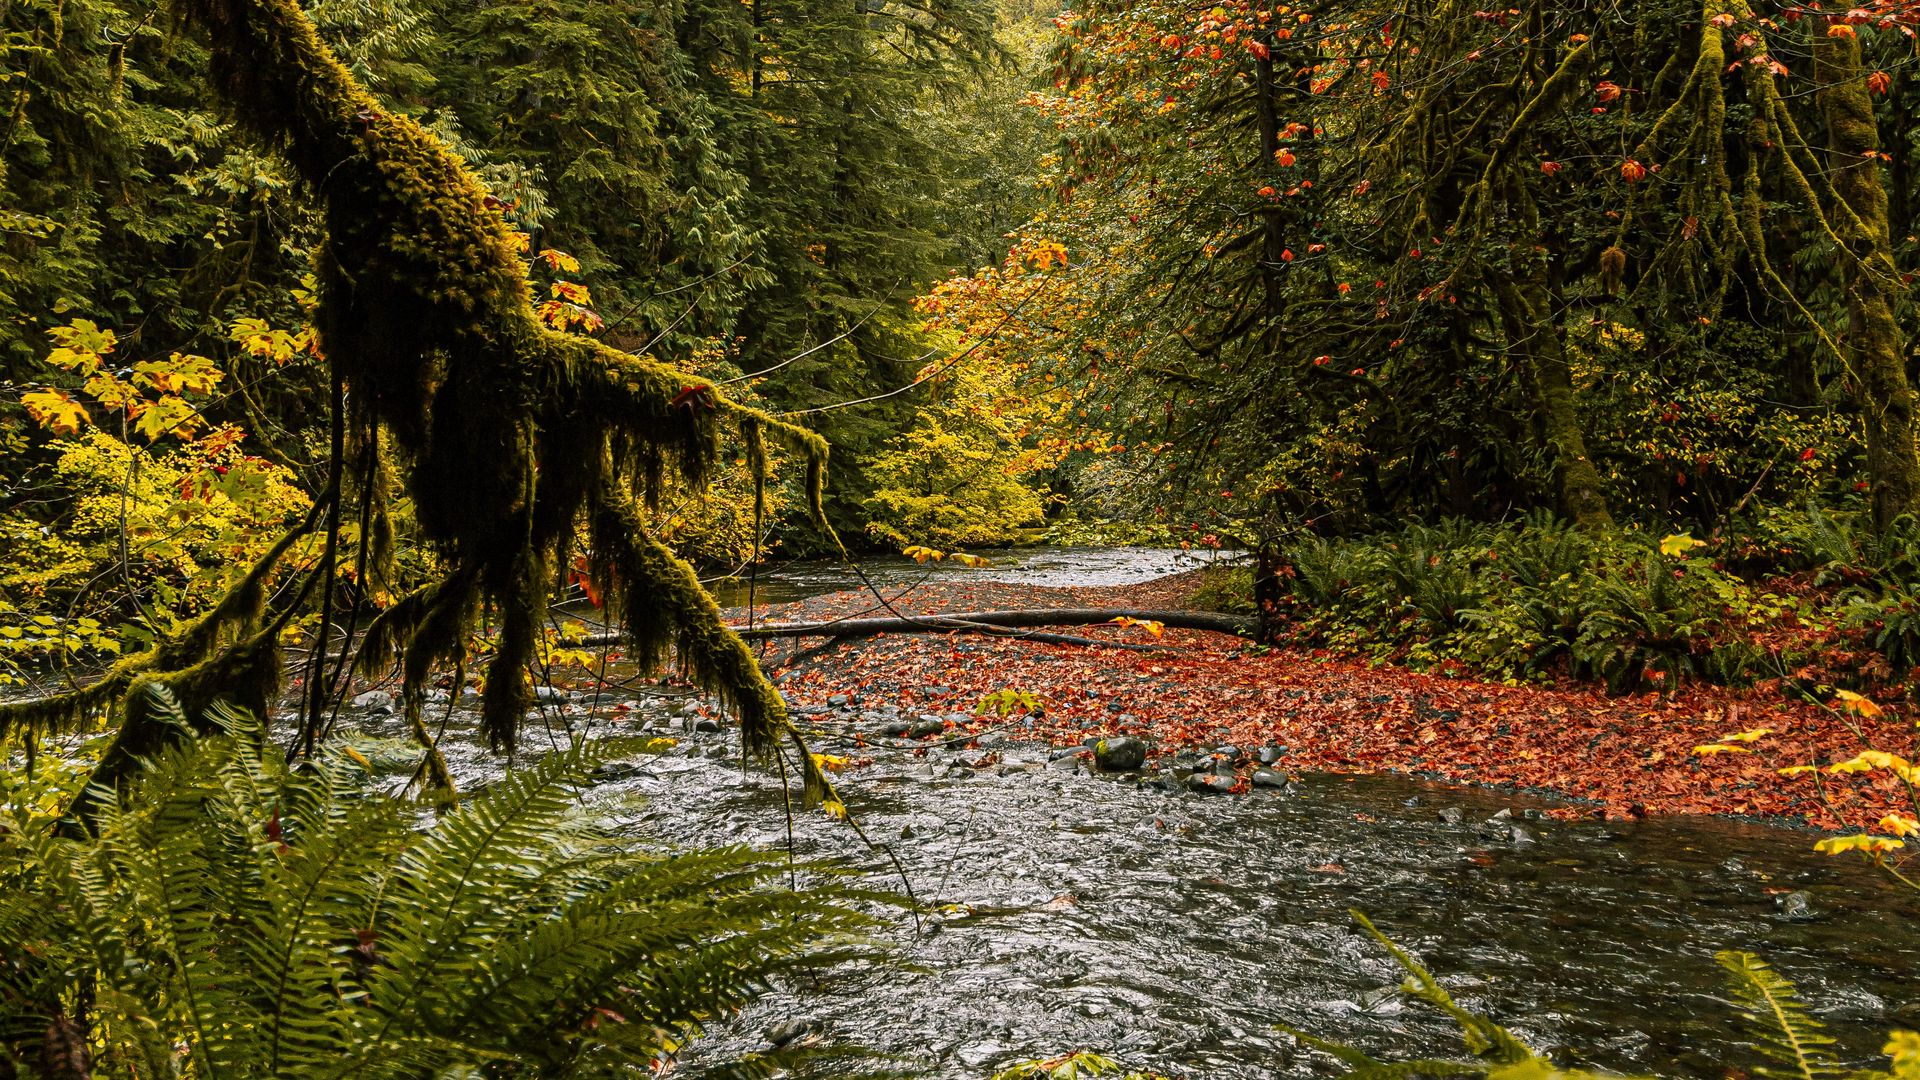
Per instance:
x=1618, y=756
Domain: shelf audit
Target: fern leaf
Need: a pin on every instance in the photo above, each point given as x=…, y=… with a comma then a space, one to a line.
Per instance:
x=1780, y=1021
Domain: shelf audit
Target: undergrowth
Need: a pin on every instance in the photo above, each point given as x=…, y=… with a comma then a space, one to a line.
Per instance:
x=1809, y=595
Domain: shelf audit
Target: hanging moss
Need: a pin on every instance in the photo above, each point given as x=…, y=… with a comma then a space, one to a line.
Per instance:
x=509, y=433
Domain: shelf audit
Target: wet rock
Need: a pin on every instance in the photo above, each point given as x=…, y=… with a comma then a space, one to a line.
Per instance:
x=1065, y=752
x=1124, y=754
x=551, y=694
x=1163, y=781
x=719, y=752
x=1503, y=815
x=896, y=727
x=1796, y=906
x=609, y=771
x=787, y=1031
x=1223, y=766
x=1267, y=755
x=707, y=725
x=1453, y=815
x=926, y=726
x=376, y=701
x=991, y=739
x=1271, y=779
x=839, y=700
x=1231, y=753
x=1520, y=836
x=1382, y=1001
x=1210, y=783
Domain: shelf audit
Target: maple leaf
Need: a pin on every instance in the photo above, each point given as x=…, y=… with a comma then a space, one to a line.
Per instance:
x=1900, y=825
x=1857, y=704
x=1837, y=845
x=1880, y=82
x=53, y=408
x=1679, y=544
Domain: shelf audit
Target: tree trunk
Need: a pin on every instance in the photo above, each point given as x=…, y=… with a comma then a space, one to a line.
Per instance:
x=1528, y=323
x=1875, y=356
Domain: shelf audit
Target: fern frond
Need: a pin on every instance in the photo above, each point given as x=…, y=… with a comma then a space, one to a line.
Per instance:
x=1779, y=1020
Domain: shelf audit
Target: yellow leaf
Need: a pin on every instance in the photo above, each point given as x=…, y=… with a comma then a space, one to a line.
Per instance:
x=1900, y=825
x=1711, y=749
x=1799, y=770
x=1904, y=1048
x=1838, y=845
x=56, y=410
x=965, y=559
x=1857, y=704
x=1868, y=760
x=358, y=757
x=829, y=762
x=1679, y=544
x=1748, y=736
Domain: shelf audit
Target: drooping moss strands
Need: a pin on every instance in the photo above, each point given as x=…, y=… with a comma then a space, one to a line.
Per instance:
x=666, y=613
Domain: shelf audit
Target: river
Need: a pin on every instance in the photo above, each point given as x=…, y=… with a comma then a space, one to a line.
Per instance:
x=1174, y=930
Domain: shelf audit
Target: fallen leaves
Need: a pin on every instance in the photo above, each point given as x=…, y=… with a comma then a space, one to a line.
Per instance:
x=1627, y=756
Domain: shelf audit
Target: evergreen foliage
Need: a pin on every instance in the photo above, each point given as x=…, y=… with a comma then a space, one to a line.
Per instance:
x=229, y=916
x=1791, y=1040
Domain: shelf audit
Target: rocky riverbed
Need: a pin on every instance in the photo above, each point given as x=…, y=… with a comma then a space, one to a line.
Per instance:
x=1138, y=913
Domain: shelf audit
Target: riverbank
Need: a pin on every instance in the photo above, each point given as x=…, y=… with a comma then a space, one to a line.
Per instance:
x=1620, y=756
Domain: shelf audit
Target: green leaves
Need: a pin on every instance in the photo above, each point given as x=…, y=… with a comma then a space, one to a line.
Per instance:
x=262, y=922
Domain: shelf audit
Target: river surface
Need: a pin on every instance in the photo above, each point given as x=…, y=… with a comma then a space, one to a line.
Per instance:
x=1173, y=930
x=783, y=582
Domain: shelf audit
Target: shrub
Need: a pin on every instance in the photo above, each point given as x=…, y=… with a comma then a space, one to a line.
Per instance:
x=233, y=917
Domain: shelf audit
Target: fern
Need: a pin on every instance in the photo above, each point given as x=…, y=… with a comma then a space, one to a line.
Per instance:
x=1789, y=1037
x=232, y=918
x=1497, y=1054
x=1773, y=1010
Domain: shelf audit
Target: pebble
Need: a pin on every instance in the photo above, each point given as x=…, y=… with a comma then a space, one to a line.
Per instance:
x=1453, y=815
x=707, y=725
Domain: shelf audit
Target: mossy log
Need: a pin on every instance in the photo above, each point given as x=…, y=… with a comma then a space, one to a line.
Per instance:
x=510, y=435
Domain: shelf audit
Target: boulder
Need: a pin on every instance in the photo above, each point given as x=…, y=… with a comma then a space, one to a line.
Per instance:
x=1123, y=754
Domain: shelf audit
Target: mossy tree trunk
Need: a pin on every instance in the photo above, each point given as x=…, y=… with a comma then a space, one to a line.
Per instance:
x=1874, y=342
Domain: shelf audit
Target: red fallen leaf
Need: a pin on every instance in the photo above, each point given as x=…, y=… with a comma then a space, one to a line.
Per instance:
x=1328, y=868
x=1480, y=858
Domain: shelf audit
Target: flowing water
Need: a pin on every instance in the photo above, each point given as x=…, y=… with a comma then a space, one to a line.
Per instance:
x=784, y=582
x=1174, y=930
